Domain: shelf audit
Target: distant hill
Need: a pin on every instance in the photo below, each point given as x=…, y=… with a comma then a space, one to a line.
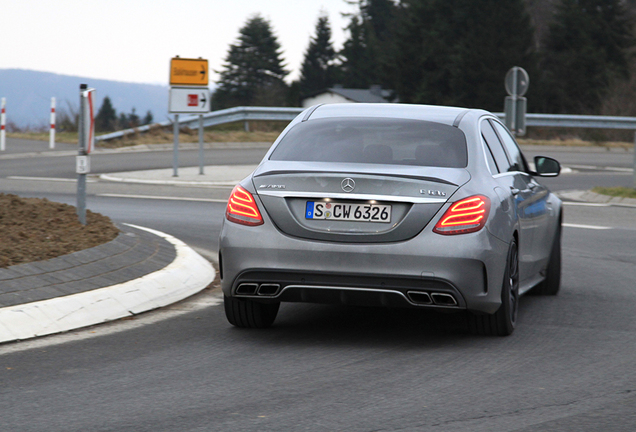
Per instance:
x=29, y=95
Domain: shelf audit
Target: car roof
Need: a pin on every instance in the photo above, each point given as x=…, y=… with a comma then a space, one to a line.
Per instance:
x=439, y=114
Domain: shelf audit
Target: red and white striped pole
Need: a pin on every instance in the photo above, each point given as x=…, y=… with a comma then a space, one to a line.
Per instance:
x=3, y=119
x=52, y=134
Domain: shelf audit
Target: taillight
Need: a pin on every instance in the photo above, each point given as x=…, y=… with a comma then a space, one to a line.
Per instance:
x=464, y=216
x=242, y=209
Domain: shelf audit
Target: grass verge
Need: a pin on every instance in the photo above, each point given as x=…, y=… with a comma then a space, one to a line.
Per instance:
x=621, y=192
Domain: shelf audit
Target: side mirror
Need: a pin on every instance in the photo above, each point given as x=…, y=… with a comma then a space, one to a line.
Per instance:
x=546, y=166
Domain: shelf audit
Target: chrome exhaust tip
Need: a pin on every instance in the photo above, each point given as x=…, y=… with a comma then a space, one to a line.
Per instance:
x=419, y=297
x=268, y=289
x=442, y=299
x=247, y=289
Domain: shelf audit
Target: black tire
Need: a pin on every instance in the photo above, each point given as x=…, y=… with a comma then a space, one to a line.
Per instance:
x=502, y=322
x=246, y=313
x=552, y=281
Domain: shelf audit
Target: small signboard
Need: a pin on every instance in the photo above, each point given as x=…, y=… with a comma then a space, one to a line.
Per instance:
x=82, y=164
x=188, y=72
x=189, y=100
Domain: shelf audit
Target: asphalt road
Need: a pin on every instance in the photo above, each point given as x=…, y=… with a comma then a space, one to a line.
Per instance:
x=568, y=366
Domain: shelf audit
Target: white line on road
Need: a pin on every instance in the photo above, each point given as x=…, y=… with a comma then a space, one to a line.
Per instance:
x=586, y=204
x=53, y=179
x=592, y=227
x=168, y=198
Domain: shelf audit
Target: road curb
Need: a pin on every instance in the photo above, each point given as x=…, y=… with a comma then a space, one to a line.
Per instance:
x=186, y=275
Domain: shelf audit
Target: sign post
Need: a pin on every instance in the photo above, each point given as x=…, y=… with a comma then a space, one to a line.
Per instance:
x=188, y=95
x=86, y=145
x=515, y=105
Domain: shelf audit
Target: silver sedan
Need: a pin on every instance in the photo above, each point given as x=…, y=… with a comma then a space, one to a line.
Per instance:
x=395, y=206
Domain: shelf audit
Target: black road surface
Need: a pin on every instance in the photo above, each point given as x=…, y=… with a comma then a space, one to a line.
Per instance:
x=569, y=366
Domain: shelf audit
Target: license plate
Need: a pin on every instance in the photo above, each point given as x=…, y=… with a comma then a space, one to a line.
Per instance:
x=348, y=211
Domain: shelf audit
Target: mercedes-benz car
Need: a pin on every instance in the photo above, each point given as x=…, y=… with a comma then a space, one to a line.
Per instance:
x=392, y=205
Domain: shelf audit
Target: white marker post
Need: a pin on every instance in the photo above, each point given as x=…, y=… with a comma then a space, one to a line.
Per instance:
x=86, y=144
x=3, y=144
x=52, y=134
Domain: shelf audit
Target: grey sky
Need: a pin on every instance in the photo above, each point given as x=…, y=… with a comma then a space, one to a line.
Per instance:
x=133, y=40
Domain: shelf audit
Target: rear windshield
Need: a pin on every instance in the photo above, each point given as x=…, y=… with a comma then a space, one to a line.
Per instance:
x=374, y=141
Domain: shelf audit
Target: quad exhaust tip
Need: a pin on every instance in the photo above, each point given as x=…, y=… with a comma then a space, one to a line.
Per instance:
x=253, y=289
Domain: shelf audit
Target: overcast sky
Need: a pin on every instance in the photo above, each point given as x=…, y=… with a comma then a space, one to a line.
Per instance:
x=133, y=40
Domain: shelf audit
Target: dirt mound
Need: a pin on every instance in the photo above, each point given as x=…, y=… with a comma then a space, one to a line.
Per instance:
x=34, y=229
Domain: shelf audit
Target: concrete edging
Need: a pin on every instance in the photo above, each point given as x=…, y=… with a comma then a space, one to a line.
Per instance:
x=188, y=274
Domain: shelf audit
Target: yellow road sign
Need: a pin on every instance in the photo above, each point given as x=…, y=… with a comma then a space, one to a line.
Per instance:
x=184, y=71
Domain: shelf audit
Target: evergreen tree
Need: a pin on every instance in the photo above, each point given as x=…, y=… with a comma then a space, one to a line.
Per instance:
x=148, y=118
x=253, y=72
x=133, y=119
x=367, y=53
x=357, y=70
x=106, y=118
x=317, y=71
x=585, y=51
x=457, y=52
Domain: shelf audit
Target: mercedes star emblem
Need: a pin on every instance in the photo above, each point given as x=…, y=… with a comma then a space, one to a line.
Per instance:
x=348, y=184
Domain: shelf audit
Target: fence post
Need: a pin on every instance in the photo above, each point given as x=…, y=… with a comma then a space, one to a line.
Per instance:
x=3, y=144
x=52, y=133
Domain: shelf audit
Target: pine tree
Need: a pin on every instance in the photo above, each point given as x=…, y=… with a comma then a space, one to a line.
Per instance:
x=585, y=51
x=148, y=118
x=357, y=68
x=457, y=52
x=106, y=118
x=253, y=72
x=367, y=53
x=317, y=71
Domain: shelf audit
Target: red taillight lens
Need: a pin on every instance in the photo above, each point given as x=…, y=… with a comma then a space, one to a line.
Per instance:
x=242, y=209
x=465, y=216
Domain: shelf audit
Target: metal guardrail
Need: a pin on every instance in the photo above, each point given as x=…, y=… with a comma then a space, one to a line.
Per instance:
x=287, y=114
x=214, y=118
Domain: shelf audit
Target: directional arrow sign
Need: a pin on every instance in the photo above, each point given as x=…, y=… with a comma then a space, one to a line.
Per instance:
x=190, y=72
x=189, y=100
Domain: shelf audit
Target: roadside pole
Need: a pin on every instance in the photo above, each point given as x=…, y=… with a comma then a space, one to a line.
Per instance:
x=3, y=143
x=52, y=134
x=201, y=145
x=86, y=137
x=175, y=148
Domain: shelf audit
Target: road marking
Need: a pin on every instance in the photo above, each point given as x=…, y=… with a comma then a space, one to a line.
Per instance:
x=592, y=227
x=586, y=204
x=53, y=179
x=168, y=198
x=602, y=168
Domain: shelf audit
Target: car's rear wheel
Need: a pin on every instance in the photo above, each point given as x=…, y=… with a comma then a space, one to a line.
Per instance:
x=552, y=282
x=502, y=322
x=247, y=313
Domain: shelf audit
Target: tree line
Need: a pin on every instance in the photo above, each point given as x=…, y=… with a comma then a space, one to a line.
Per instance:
x=447, y=52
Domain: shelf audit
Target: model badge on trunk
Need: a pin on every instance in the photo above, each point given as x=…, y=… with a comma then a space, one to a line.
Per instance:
x=433, y=192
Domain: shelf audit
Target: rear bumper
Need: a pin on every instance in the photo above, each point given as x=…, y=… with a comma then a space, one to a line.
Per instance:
x=455, y=272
